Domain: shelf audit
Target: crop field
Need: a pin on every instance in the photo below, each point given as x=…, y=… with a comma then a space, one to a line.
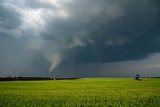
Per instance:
x=93, y=92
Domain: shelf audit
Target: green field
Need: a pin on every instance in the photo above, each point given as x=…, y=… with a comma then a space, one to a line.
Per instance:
x=100, y=92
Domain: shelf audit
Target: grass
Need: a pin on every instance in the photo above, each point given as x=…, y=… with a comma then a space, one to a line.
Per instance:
x=83, y=92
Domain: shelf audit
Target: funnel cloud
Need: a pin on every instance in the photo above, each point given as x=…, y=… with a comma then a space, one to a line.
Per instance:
x=64, y=38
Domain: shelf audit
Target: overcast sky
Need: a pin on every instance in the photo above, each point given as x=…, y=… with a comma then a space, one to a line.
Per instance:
x=113, y=38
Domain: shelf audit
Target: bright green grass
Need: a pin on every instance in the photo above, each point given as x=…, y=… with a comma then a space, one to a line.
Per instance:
x=101, y=92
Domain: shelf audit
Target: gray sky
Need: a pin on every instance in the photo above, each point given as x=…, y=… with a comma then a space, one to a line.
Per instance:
x=115, y=38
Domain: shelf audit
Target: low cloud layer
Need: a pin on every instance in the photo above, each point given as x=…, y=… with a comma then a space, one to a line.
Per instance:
x=65, y=38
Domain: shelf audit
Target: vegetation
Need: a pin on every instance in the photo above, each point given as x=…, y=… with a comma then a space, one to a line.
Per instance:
x=101, y=92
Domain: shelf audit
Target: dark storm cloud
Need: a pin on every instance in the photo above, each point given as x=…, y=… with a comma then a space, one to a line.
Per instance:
x=63, y=36
x=8, y=18
x=125, y=35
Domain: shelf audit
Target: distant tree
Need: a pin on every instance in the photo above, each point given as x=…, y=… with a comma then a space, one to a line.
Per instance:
x=137, y=77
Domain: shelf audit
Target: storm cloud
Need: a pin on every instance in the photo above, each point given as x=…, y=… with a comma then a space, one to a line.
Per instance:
x=79, y=37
